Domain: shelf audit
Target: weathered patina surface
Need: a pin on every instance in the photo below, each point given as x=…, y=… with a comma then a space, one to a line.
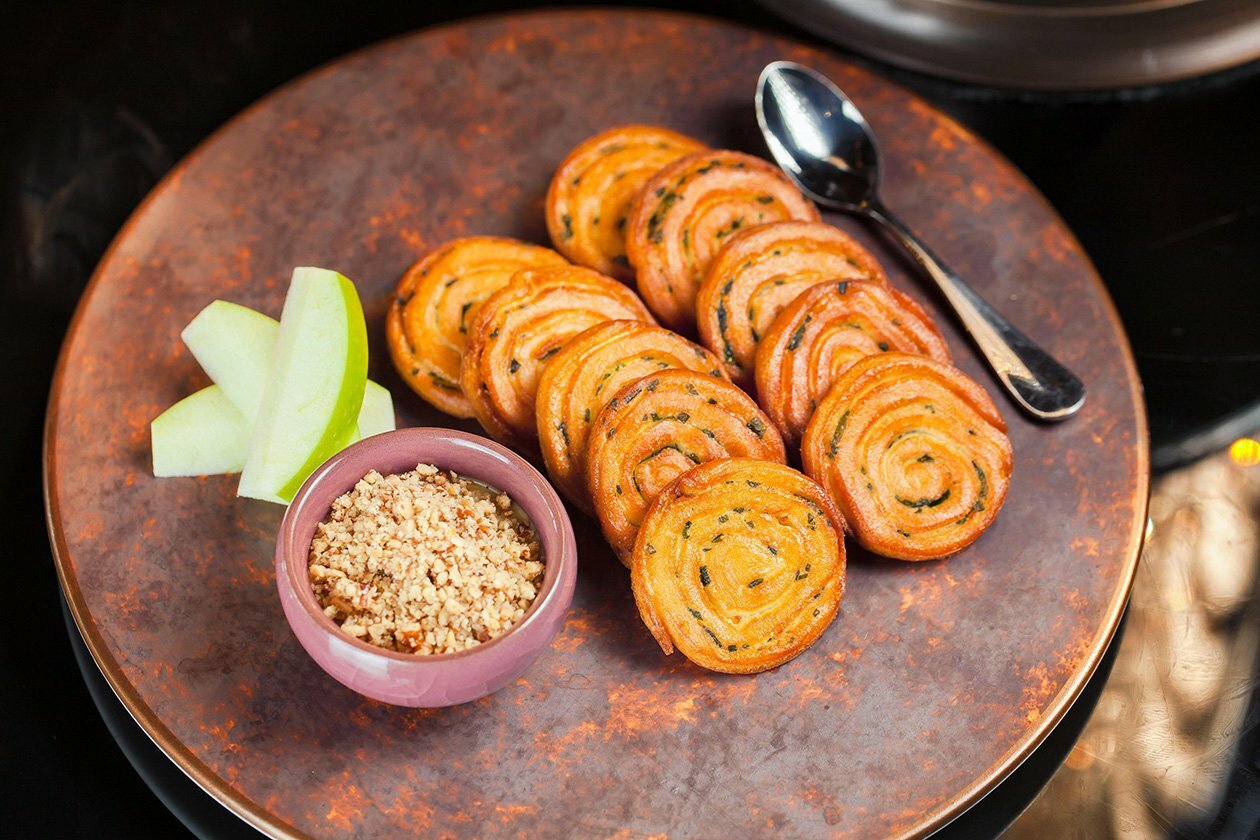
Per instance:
x=934, y=677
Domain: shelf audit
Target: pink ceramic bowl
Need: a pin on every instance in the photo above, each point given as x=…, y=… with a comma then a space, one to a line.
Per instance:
x=439, y=679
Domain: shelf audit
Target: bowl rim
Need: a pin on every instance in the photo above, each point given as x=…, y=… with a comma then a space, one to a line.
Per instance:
x=553, y=568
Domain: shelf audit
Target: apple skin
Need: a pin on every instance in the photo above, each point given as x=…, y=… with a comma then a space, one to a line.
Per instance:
x=234, y=344
x=209, y=432
x=204, y=433
x=314, y=391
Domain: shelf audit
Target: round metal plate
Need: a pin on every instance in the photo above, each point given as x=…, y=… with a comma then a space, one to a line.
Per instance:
x=932, y=684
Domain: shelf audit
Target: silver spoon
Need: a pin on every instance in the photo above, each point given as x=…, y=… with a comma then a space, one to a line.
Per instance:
x=823, y=143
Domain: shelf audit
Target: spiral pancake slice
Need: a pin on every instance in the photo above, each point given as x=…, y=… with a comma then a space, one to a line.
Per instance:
x=521, y=327
x=914, y=454
x=588, y=202
x=740, y=565
x=762, y=270
x=827, y=328
x=688, y=211
x=580, y=380
x=435, y=302
x=658, y=427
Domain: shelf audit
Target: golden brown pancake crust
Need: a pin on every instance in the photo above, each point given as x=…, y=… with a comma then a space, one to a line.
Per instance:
x=913, y=452
x=740, y=564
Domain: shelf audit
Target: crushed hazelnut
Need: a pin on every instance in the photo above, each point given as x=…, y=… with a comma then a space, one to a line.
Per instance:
x=424, y=562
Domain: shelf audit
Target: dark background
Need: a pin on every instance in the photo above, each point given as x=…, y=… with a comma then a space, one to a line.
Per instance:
x=98, y=100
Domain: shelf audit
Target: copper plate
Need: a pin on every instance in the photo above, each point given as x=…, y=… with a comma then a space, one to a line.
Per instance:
x=934, y=681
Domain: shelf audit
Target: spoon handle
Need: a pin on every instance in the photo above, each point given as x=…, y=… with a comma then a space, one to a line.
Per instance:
x=1043, y=387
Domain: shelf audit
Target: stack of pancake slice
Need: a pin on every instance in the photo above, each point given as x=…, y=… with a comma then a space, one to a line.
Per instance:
x=755, y=334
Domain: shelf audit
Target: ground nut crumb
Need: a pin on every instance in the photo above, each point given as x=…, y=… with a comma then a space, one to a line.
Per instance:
x=424, y=562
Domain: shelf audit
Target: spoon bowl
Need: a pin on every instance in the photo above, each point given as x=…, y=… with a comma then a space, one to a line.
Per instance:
x=824, y=144
x=817, y=135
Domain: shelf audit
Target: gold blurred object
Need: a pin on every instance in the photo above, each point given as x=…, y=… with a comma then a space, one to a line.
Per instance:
x=1245, y=452
x=1155, y=757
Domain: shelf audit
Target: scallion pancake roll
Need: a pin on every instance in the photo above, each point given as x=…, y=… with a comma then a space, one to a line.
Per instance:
x=688, y=211
x=434, y=304
x=739, y=564
x=520, y=328
x=827, y=328
x=580, y=380
x=658, y=427
x=913, y=452
x=760, y=271
x=589, y=200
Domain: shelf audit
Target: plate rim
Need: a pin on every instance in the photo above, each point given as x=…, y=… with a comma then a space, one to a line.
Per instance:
x=254, y=813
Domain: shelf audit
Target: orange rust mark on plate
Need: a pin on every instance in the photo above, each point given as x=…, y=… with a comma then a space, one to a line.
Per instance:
x=1076, y=600
x=552, y=745
x=507, y=44
x=138, y=418
x=243, y=266
x=1055, y=245
x=943, y=138
x=824, y=801
x=91, y=528
x=303, y=127
x=578, y=628
x=346, y=803
x=1040, y=685
x=415, y=239
x=924, y=593
x=508, y=813
x=1086, y=546
x=808, y=692
x=633, y=712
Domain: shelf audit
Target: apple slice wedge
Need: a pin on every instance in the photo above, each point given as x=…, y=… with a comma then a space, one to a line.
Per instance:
x=377, y=414
x=205, y=434
x=233, y=344
x=202, y=434
x=314, y=391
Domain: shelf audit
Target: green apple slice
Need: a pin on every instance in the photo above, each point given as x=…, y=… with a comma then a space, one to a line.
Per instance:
x=202, y=434
x=233, y=344
x=314, y=391
x=377, y=414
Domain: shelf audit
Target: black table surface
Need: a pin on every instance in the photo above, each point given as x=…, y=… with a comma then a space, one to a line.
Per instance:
x=98, y=100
